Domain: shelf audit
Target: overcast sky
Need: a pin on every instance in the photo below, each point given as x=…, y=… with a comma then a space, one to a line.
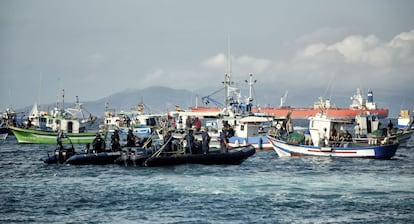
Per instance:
x=96, y=48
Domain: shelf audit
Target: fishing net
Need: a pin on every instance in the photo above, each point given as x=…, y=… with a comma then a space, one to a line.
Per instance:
x=296, y=138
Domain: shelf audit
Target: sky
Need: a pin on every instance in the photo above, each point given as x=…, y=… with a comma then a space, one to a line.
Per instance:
x=94, y=48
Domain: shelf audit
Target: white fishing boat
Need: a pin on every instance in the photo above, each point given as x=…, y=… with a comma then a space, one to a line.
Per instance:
x=370, y=127
x=67, y=120
x=405, y=120
x=319, y=144
x=252, y=130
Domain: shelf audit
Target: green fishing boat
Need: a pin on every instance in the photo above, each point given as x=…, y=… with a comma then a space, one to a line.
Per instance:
x=29, y=136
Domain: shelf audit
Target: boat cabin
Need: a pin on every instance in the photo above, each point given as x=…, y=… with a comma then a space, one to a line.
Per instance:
x=405, y=120
x=319, y=122
x=368, y=123
x=252, y=126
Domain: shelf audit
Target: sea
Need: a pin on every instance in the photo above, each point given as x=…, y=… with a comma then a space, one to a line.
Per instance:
x=263, y=189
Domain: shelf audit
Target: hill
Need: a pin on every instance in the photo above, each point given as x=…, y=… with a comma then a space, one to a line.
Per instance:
x=158, y=99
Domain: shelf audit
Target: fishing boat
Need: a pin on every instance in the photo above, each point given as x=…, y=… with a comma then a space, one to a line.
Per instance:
x=359, y=106
x=248, y=128
x=43, y=127
x=319, y=143
x=35, y=136
x=72, y=120
x=142, y=124
x=370, y=126
x=405, y=120
x=251, y=130
x=8, y=118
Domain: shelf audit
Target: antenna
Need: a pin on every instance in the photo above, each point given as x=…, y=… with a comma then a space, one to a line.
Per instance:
x=250, y=82
x=227, y=75
x=40, y=87
x=63, y=99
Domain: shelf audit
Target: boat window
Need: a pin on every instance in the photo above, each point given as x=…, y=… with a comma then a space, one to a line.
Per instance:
x=241, y=127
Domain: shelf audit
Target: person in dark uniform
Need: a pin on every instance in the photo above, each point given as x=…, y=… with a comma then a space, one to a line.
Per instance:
x=189, y=138
x=168, y=141
x=224, y=140
x=130, y=139
x=98, y=143
x=205, y=141
x=115, y=145
x=390, y=127
x=59, y=140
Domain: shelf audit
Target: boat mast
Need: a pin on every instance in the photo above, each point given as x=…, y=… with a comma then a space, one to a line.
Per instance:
x=63, y=99
x=227, y=76
x=250, y=82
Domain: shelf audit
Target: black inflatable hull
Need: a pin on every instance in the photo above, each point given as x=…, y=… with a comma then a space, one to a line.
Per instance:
x=134, y=156
x=102, y=158
x=234, y=157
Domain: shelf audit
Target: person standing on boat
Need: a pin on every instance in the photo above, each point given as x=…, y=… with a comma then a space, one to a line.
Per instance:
x=168, y=142
x=323, y=138
x=289, y=126
x=205, y=141
x=115, y=145
x=390, y=127
x=188, y=123
x=197, y=124
x=59, y=140
x=189, y=138
x=357, y=131
x=130, y=138
x=98, y=143
x=223, y=140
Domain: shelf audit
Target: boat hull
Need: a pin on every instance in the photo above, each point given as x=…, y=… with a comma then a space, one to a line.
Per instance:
x=258, y=142
x=102, y=158
x=234, y=157
x=304, y=113
x=404, y=137
x=4, y=132
x=284, y=149
x=30, y=136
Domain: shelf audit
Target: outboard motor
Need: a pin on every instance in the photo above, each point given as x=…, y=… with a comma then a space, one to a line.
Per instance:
x=62, y=154
x=125, y=155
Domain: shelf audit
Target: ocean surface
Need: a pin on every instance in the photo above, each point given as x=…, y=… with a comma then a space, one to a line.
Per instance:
x=263, y=189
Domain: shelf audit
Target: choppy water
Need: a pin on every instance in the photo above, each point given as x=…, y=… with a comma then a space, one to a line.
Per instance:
x=264, y=189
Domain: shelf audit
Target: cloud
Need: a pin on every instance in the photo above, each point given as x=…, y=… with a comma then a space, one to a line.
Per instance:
x=356, y=49
x=241, y=64
x=345, y=64
x=350, y=62
x=218, y=61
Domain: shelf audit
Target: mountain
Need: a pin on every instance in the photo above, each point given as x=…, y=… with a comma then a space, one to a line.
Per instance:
x=159, y=99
